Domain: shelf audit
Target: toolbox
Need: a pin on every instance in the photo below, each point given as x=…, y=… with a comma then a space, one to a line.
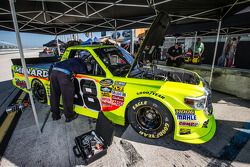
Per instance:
x=94, y=144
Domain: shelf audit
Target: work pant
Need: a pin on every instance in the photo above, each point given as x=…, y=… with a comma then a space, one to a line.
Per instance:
x=179, y=61
x=61, y=84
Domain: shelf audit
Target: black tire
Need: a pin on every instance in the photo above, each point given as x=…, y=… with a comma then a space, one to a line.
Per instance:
x=39, y=91
x=150, y=118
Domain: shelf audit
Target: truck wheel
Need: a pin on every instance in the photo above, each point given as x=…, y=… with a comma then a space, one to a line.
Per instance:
x=39, y=91
x=150, y=118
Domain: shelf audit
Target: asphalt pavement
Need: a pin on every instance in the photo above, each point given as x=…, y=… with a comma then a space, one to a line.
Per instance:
x=229, y=147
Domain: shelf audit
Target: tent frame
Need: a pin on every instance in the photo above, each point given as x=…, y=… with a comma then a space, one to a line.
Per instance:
x=26, y=25
x=20, y=47
x=215, y=51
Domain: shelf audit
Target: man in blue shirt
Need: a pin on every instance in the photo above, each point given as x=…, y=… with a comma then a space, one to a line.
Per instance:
x=61, y=83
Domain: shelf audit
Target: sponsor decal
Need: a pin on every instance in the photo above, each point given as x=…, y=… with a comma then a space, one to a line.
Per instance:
x=157, y=135
x=21, y=84
x=116, y=93
x=106, y=104
x=89, y=90
x=205, y=124
x=108, y=107
x=118, y=98
x=184, y=111
x=118, y=83
x=189, y=117
x=182, y=123
x=118, y=88
x=106, y=89
x=117, y=102
x=112, y=95
x=91, y=99
x=32, y=72
x=184, y=131
x=151, y=93
x=140, y=103
x=106, y=82
x=106, y=94
x=106, y=100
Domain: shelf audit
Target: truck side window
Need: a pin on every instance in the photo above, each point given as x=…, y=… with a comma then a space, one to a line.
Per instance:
x=93, y=67
x=78, y=53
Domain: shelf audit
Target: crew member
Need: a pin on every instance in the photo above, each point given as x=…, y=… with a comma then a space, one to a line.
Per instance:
x=199, y=48
x=61, y=83
x=230, y=52
x=174, y=55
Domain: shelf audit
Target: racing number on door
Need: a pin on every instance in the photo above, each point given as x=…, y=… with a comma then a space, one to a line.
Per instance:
x=86, y=94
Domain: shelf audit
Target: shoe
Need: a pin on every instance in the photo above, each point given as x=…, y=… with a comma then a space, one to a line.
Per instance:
x=56, y=118
x=71, y=118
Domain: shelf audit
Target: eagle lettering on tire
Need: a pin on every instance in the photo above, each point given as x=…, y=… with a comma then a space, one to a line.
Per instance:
x=150, y=118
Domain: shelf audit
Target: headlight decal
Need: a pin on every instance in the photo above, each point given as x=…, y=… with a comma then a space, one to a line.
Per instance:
x=198, y=103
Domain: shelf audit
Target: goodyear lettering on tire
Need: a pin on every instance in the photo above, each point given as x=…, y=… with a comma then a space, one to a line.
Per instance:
x=157, y=135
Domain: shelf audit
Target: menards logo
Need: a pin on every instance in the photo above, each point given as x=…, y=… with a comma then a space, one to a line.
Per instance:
x=32, y=72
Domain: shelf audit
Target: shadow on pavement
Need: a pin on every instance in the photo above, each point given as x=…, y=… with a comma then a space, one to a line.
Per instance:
x=230, y=138
x=54, y=146
x=229, y=99
x=7, y=92
x=6, y=89
x=222, y=146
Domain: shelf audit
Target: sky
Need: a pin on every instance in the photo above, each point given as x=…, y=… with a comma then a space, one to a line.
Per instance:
x=30, y=40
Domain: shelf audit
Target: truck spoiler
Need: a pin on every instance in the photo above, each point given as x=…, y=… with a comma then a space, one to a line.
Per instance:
x=38, y=60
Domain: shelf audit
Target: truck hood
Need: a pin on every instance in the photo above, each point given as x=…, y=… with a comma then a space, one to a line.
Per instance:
x=153, y=39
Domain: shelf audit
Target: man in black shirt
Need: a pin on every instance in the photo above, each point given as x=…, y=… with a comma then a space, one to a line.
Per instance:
x=174, y=55
x=61, y=83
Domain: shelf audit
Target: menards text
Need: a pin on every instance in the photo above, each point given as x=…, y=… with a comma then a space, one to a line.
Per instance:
x=32, y=72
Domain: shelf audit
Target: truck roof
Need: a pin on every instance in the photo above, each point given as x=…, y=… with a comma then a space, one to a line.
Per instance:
x=89, y=46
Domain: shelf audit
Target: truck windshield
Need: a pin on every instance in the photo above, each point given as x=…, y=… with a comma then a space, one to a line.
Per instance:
x=115, y=61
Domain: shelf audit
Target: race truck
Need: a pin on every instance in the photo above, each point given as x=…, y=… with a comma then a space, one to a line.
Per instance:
x=154, y=100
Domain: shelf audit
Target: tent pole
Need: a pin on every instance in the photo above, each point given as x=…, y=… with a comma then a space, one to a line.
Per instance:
x=215, y=51
x=25, y=71
x=195, y=39
x=58, y=47
x=57, y=44
x=115, y=33
x=91, y=36
x=132, y=42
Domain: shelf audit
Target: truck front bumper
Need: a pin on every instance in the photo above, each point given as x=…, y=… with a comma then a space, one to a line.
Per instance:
x=210, y=131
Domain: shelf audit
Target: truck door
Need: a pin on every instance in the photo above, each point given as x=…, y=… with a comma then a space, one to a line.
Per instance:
x=87, y=86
